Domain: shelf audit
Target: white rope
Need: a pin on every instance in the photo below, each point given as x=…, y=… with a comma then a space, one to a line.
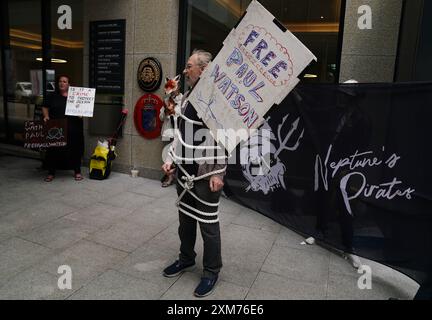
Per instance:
x=206, y=214
x=188, y=185
x=192, y=146
x=178, y=158
x=210, y=204
x=190, y=121
x=188, y=145
x=196, y=218
x=219, y=171
x=211, y=173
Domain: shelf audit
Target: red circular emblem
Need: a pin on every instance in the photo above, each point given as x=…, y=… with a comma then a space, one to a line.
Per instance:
x=146, y=116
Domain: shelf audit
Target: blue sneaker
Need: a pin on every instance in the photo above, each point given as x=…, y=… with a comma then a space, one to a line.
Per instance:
x=176, y=268
x=206, y=286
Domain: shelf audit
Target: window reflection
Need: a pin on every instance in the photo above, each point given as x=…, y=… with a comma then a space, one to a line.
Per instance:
x=21, y=62
x=24, y=60
x=67, y=44
x=2, y=117
x=314, y=22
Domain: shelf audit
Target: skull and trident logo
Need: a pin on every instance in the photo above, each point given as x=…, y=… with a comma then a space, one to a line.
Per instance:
x=261, y=164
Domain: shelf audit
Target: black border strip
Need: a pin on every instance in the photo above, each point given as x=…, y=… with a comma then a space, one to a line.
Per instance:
x=340, y=40
x=279, y=25
x=399, y=44
x=240, y=20
x=181, y=38
x=5, y=46
x=46, y=44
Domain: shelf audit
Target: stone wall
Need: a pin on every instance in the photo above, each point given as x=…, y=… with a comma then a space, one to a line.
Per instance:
x=369, y=55
x=151, y=30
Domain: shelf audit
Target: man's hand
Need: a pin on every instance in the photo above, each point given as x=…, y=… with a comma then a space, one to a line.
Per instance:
x=169, y=106
x=45, y=114
x=167, y=168
x=216, y=183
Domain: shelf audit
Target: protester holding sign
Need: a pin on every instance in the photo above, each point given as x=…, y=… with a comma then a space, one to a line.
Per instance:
x=68, y=157
x=199, y=185
x=258, y=65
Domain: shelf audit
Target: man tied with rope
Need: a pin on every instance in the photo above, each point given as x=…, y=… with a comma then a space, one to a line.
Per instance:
x=199, y=185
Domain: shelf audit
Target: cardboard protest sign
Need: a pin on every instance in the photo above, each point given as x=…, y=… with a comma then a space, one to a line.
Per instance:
x=40, y=134
x=80, y=102
x=256, y=68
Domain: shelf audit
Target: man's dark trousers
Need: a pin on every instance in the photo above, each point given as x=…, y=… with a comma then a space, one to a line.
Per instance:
x=212, y=259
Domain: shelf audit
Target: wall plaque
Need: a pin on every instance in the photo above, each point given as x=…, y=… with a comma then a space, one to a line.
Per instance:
x=146, y=116
x=149, y=74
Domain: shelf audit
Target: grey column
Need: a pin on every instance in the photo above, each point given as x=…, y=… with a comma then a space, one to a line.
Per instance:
x=369, y=55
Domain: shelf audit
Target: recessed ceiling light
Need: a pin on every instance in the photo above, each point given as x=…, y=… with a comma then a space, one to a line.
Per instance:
x=54, y=60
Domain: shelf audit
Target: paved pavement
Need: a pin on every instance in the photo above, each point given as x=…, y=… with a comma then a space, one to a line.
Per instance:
x=117, y=235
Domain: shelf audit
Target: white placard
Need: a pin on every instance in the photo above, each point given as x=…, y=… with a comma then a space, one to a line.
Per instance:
x=80, y=102
x=256, y=68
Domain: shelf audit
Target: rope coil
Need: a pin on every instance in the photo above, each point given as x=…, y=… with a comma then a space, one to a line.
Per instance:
x=189, y=180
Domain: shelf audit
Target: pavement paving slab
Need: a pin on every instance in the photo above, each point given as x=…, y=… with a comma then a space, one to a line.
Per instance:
x=117, y=235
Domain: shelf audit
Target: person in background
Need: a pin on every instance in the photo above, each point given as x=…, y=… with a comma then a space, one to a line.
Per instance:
x=69, y=156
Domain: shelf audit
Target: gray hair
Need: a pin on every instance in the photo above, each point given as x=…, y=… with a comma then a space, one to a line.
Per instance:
x=203, y=57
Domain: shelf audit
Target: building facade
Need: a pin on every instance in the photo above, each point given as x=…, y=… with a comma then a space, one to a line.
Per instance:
x=366, y=40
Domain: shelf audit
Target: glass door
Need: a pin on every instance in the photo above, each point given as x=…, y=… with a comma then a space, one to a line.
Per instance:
x=315, y=22
x=24, y=62
x=67, y=43
x=2, y=114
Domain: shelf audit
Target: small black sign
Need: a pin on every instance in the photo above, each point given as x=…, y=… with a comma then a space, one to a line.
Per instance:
x=40, y=134
x=107, y=56
x=149, y=74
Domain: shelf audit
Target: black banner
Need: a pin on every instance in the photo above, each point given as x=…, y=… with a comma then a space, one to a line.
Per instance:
x=348, y=165
x=107, y=56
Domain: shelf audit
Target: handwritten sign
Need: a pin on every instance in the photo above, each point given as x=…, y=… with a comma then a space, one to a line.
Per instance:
x=39, y=134
x=256, y=68
x=80, y=102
